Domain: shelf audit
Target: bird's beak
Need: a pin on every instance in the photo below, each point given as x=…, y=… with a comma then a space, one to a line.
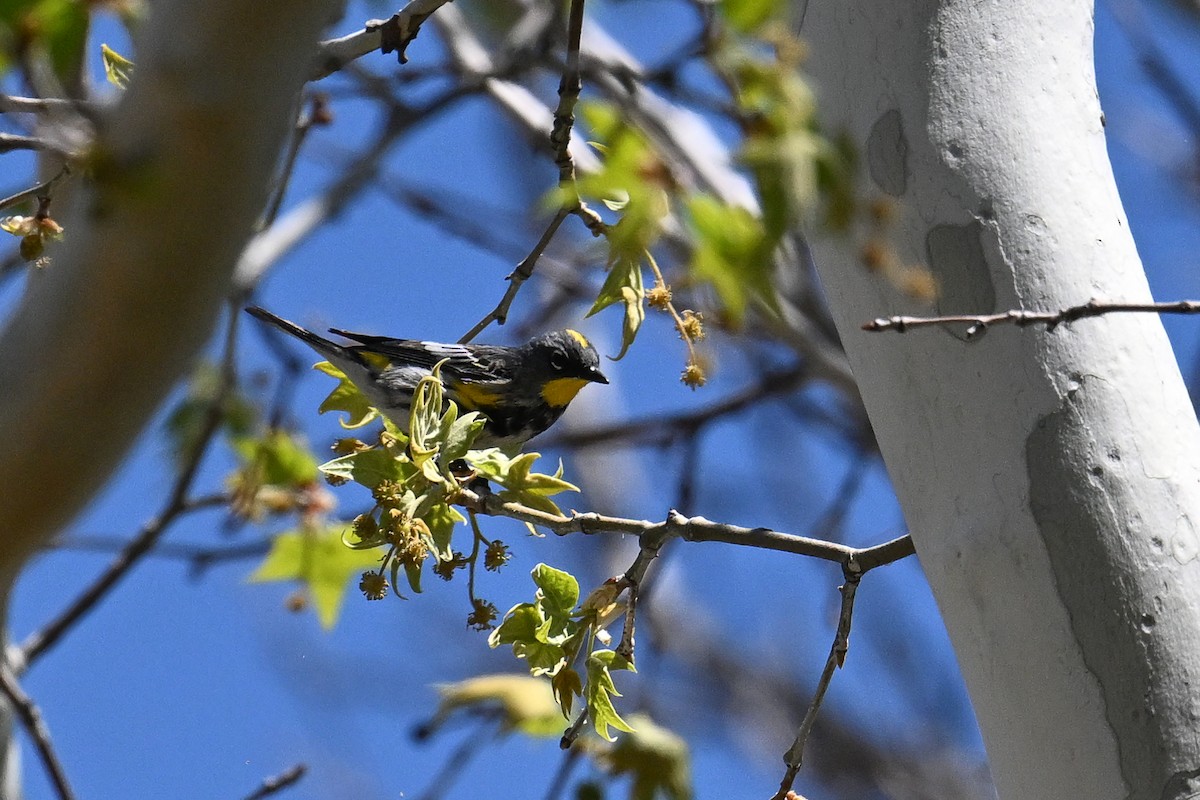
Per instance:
x=595, y=375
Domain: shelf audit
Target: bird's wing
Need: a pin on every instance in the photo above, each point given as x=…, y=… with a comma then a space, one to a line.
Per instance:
x=475, y=364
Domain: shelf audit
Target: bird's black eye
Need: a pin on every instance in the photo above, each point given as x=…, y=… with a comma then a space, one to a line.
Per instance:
x=558, y=361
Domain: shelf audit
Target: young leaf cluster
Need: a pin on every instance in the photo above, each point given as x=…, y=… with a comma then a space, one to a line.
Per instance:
x=635, y=182
x=554, y=634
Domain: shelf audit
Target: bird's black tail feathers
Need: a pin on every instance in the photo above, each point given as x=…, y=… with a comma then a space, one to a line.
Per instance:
x=318, y=343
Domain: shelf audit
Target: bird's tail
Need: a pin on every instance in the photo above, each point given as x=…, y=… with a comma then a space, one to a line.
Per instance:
x=318, y=343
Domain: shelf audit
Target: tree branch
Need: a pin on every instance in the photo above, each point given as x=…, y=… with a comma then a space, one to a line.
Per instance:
x=978, y=323
x=31, y=717
x=794, y=757
x=692, y=529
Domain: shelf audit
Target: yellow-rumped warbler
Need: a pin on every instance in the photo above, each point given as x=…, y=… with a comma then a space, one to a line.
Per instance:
x=521, y=390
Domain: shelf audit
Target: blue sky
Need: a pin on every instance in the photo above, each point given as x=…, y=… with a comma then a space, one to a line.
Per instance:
x=200, y=686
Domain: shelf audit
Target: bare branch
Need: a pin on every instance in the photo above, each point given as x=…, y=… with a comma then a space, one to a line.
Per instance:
x=978, y=323
x=31, y=717
x=40, y=190
x=393, y=34
x=692, y=529
x=277, y=783
x=794, y=757
x=516, y=279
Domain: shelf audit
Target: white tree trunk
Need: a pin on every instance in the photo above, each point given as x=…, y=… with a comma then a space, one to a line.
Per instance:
x=1049, y=478
x=183, y=166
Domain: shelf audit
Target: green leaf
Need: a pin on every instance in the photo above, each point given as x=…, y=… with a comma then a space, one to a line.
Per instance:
x=527, y=703
x=56, y=27
x=558, y=591
x=320, y=561
x=368, y=467
x=280, y=458
x=520, y=624
x=656, y=758
x=567, y=685
x=345, y=398
x=188, y=419
x=442, y=519
x=600, y=690
x=624, y=284
x=117, y=68
x=732, y=252
x=460, y=434
x=748, y=16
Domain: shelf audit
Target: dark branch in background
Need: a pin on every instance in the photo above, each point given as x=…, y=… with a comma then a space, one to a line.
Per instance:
x=978, y=323
x=660, y=430
x=277, y=783
x=31, y=718
x=199, y=558
x=177, y=505
x=794, y=758
x=558, y=783
x=40, y=190
x=1158, y=68
x=317, y=113
x=462, y=755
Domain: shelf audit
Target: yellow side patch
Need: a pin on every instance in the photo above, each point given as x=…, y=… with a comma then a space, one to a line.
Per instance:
x=376, y=361
x=473, y=397
x=579, y=337
x=561, y=391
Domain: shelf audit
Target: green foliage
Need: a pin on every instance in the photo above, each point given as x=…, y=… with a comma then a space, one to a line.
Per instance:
x=634, y=181
x=526, y=704
x=320, y=562
x=57, y=28
x=552, y=634
x=732, y=252
x=117, y=68
x=347, y=398
x=187, y=420
x=656, y=758
x=749, y=16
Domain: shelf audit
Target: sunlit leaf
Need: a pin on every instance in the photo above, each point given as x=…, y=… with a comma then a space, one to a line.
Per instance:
x=319, y=561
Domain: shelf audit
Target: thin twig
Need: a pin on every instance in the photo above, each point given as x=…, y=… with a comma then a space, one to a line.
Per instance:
x=978, y=323
x=277, y=783
x=40, y=190
x=631, y=581
x=794, y=757
x=569, y=89
x=692, y=529
x=316, y=114
x=177, y=504
x=516, y=279
x=462, y=755
x=572, y=733
x=559, y=782
x=31, y=718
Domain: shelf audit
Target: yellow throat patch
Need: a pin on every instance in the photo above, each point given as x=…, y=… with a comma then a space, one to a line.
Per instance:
x=561, y=391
